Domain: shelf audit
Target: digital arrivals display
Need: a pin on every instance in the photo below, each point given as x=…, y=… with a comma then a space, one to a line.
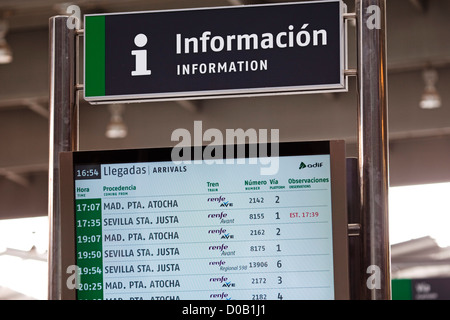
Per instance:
x=151, y=229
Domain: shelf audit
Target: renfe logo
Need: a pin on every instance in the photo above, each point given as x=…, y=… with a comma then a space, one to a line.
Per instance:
x=219, y=296
x=217, y=199
x=220, y=248
x=217, y=263
x=217, y=231
x=221, y=199
x=217, y=215
x=140, y=56
x=221, y=279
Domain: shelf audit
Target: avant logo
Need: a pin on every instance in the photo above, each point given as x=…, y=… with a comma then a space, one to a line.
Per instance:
x=315, y=165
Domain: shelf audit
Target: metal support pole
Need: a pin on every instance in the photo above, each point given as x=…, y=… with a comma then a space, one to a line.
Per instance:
x=63, y=135
x=354, y=221
x=373, y=147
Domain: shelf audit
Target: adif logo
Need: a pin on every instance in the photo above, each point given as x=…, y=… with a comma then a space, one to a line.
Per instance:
x=140, y=55
x=315, y=165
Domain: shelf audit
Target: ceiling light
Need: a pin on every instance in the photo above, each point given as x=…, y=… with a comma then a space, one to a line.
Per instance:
x=5, y=50
x=430, y=97
x=116, y=128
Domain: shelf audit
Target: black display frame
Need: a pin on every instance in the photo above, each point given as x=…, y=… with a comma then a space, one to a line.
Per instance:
x=334, y=148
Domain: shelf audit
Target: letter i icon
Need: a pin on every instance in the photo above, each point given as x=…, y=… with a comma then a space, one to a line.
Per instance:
x=140, y=56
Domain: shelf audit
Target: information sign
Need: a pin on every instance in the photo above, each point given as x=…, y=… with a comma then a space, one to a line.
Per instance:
x=215, y=52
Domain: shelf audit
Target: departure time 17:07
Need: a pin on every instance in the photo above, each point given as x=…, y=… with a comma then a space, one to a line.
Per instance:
x=85, y=207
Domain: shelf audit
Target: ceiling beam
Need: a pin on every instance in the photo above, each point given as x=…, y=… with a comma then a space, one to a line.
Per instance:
x=24, y=102
x=16, y=178
x=236, y=2
x=18, y=174
x=25, y=169
x=32, y=254
x=421, y=5
x=189, y=105
x=38, y=108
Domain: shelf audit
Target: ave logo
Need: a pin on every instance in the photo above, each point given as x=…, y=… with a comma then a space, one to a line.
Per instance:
x=140, y=56
x=226, y=204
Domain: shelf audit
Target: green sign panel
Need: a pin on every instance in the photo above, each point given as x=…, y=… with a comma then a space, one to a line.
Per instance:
x=421, y=289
